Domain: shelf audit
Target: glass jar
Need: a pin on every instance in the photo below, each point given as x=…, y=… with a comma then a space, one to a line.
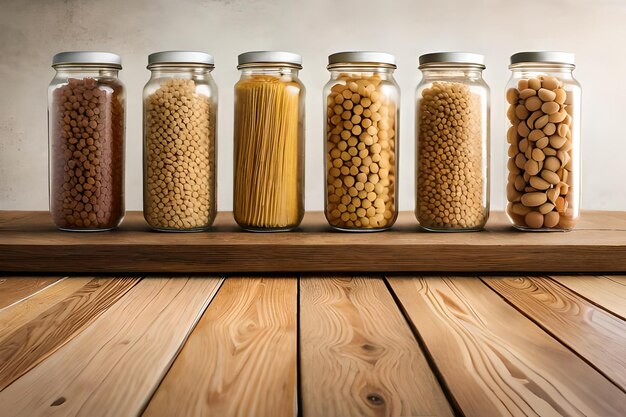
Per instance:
x=452, y=129
x=179, y=125
x=269, y=142
x=543, y=185
x=86, y=115
x=361, y=155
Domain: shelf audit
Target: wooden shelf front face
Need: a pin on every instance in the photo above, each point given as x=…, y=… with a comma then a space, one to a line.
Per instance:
x=30, y=243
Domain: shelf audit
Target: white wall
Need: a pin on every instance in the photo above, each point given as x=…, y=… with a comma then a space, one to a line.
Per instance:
x=32, y=31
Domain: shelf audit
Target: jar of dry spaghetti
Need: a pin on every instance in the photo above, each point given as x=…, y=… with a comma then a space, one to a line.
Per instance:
x=180, y=114
x=269, y=142
x=86, y=115
x=361, y=153
x=452, y=179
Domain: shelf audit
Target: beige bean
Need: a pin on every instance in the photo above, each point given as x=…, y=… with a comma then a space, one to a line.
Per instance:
x=542, y=121
x=512, y=95
x=551, y=219
x=534, y=220
x=557, y=142
x=534, y=103
x=521, y=112
x=559, y=96
x=534, y=199
x=558, y=117
x=539, y=183
x=532, y=167
x=520, y=209
x=522, y=129
x=553, y=194
x=546, y=95
x=534, y=83
x=550, y=107
x=550, y=176
x=529, y=92
x=550, y=83
x=542, y=143
x=552, y=164
x=535, y=135
x=537, y=155
x=549, y=129
x=545, y=208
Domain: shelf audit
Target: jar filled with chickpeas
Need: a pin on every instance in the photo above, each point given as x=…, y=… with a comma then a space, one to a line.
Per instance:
x=86, y=127
x=269, y=142
x=543, y=122
x=362, y=115
x=452, y=178
x=179, y=125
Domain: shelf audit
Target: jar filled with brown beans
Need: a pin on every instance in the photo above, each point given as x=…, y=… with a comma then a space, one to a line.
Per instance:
x=361, y=127
x=543, y=135
x=86, y=127
x=452, y=179
x=179, y=125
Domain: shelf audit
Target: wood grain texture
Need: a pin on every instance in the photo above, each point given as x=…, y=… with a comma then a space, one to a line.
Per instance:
x=26, y=346
x=241, y=358
x=31, y=243
x=113, y=367
x=20, y=313
x=494, y=360
x=15, y=289
x=358, y=356
x=597, y=336
x=608, y=292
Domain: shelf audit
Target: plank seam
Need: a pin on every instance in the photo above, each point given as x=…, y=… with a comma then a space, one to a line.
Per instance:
x=192, y=327
x=456, y=408
x=586, y=298
x=33, y=294
x=552, y=335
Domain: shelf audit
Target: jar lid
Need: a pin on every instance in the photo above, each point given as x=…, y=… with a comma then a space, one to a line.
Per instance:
x=90, y=58
x=361, y=57
x=269, y=57
x=180, y=57
x=549, y=57
x=452, y=58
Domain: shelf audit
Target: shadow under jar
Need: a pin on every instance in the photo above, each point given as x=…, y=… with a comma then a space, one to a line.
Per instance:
x=269, y=142
x=543, y=183
x=452, y=128
x=86, y=127
x=180, y=115
x=361, y=153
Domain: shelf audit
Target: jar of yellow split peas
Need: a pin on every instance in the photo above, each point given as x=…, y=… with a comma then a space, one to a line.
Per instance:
x=544, y=114
x=361, y=126
x=269, y=142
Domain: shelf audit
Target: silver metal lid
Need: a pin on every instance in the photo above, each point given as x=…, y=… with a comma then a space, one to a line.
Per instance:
x=452, y=58
x=92, y=58
x=181, y=57
x=269, y=57
x=550, y=57
x=361, y=57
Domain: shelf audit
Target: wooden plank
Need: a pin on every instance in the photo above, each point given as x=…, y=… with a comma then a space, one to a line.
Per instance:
x=18, y=314
x=358, y=356
x=16, y=289
x=595, y=335
x=241, y=358
x=608, y=292
x=598, y=246
x=494, y=360
x=113, y=367
x=26, y=346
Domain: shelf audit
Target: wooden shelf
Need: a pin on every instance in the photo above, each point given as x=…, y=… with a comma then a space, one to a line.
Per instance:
x=30, y=243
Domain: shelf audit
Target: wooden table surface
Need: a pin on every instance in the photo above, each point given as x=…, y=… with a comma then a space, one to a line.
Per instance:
x=30, y=243
x=313, y=346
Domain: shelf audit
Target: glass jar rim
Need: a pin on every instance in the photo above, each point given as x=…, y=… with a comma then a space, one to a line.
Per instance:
x=451, y=65
x=180, y=65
